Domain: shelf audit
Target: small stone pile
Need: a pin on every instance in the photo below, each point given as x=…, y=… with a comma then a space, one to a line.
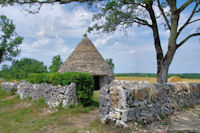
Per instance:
x=125, y=102
x=53, y=95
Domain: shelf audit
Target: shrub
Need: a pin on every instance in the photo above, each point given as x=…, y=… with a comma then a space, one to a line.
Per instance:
x=36, y=78
x=54, y=78
x=84, y=83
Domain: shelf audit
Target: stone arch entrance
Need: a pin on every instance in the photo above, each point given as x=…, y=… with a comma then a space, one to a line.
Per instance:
x=96, y=83
x=101, y=80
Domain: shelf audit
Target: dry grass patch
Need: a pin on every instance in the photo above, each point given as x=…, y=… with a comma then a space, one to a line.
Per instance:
x=154, y=80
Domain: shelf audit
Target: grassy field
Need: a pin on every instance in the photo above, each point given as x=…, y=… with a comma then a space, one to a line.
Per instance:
x=153, y=80
x=28, y=116
x=21, y=116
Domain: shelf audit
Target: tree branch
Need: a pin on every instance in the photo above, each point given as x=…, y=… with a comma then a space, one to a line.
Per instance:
x=164, y=16
x=22, y=2
x=184, y=6
x=188, y=20
x=194, y=21
x=188, y=37
x=141, y=21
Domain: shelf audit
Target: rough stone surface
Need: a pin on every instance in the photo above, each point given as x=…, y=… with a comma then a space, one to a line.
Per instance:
x=8, y=86
x=53, y=95
x=125, y=102
x=139, y=93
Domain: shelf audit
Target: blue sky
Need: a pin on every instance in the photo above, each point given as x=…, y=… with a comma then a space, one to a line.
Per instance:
x=57, y=29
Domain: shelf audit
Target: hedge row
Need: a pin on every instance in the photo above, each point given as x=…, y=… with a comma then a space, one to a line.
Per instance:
x=84, y=83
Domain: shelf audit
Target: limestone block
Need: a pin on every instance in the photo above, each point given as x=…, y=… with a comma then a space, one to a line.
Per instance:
x=193, y=87
x=103, y=100
x=70, y=95
x=8, y=86
x=116, y=115
x=53, y=95
x=131, y=114
x=182, y=86
x=153, y=92
x=120, y=123
x=140, y=93
x=115, y=96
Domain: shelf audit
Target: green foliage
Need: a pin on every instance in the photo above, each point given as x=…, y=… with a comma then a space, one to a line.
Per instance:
x=116, y=14
x=84, y=83
x=37, y=78
x=56, y=63
x=9, y=41
x=110, y=63
x=41, y=102
x=12, y=91
x=21, y=68
x=162, y=117
x=1, y=80
x=59, y=107
x=70, y=106
x=3, y=94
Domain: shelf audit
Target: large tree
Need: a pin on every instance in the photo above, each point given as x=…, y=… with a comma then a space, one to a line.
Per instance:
x=21, y=68
x=124, y=13
x=9, y=41
x=56, y=63
x=110, y=63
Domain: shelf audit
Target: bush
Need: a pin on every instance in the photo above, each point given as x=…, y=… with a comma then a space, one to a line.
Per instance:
x=84, y=83
x=36, y=78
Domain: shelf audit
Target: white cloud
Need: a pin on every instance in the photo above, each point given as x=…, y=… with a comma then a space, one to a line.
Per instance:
x=132, y=51
x=40, y=43
x=102, y=41
x=116, y=45
x=57, y=29
x=46, y=34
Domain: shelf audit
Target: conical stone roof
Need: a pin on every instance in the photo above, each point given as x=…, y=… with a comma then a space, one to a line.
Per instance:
x=86, y=58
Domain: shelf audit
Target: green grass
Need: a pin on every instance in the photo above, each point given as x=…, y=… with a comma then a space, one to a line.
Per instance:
x=17, y=116
x=1, y=80
x=3, y=94
x=162, y=117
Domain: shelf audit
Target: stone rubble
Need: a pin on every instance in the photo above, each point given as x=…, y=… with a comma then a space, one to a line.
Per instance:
x=53, y=95
x=126, y=102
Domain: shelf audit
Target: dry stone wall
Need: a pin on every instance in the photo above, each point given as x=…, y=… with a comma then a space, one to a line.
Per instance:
x=53, y=95
x=125, y=102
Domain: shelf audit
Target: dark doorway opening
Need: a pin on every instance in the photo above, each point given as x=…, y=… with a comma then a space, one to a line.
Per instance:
x=96, y=83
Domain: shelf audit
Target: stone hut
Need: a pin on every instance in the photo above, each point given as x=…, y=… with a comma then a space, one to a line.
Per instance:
x=86, y=58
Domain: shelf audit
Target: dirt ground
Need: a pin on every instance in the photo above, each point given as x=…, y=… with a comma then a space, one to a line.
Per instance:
x=186, y=121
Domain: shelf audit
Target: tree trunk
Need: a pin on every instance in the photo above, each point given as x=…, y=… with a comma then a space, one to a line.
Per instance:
x=1, y=56
x=163, y=66
x=162, y=73
x=163, y=62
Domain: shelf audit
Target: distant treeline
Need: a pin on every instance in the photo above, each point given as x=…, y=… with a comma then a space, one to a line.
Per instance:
x=183, y=75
